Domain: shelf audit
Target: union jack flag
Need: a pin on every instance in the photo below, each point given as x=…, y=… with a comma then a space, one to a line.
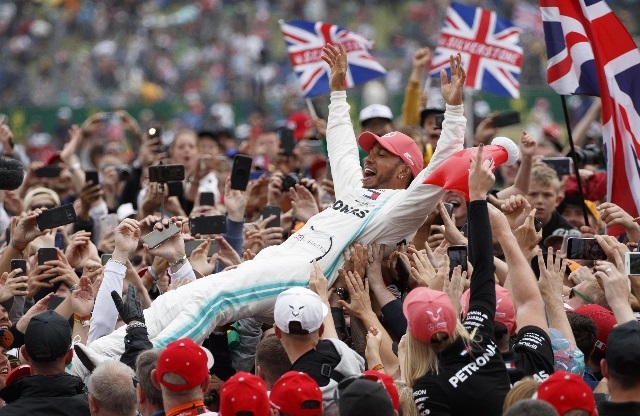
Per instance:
x=304, y=43
x=489, y=46
x=591, y=53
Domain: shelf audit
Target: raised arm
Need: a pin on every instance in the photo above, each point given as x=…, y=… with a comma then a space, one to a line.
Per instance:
x=412, y=94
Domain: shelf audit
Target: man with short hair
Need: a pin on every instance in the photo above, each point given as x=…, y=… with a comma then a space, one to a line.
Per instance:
x=298, y=316
x=111, y=390
x=544, y=195
x=604, y=321
x=47, y=349
x=182, y=374
x=621, y=367
x=271, y=360
x=376, y=118
x=148, y=395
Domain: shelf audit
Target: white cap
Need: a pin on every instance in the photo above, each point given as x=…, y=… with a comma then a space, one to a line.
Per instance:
x=299, y=306
x=375, y=111
x=125, y=210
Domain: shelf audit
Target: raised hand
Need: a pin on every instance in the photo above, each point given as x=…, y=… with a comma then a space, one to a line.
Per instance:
x=131, y=309
x=337, y=60
x=481, y=176
x=318, y=283
x=528, y=146
x=516, y=209
x=171, y=249
x=127, y=234
x=82, y=298
x=303, y=202
x=13, y=285
x=452, y=89
x=455, y=287
x=359, y=301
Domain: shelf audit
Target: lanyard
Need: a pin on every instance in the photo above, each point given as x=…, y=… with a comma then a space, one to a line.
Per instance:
x=196, y=407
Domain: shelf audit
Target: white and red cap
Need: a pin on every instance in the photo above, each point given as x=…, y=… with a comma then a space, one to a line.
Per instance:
x=505, y=310
x=186, y=359
x=299, y=311
x=397, y=143
x=429, y=312
x=246, y=394
x=375, y=111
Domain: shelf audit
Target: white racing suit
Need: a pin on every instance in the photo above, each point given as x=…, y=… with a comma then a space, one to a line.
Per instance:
x=383, y=216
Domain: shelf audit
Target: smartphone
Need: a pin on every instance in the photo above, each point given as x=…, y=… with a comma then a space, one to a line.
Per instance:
x=108, y=223
x=631, y=263
x=562, y=165
x=508, y=118
x=584, y=249
x=449, y=208
x=19, y=264
x=157, y=237
x=154, y=132
x=240, y=172
x=214, y=224
x=7, y=235
x=403, y=276
x=287, y=142
x=105, y=258
x=439, y=121
x=52, y=171
x=175, y=188
x=457, y=257
x=59, y=240
x=166, y=173
x=537, y=224
x=191, y=245
x=269, y=210
x=207, y=198
x=57, y=217
x=47, y=254
x=92, y=175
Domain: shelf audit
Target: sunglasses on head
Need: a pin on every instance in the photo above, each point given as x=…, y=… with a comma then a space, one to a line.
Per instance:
x=573, y=292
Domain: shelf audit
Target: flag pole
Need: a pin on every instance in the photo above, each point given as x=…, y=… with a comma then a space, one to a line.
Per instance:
x=311, y=108
x=575, y=159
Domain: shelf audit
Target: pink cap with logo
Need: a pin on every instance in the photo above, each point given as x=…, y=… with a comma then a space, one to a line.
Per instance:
x=429, y=312
x=397, y=143
x=505, y=311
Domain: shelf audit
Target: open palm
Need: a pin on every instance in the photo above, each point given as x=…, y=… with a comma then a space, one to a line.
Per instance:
x=337, y=60
x=452, y=88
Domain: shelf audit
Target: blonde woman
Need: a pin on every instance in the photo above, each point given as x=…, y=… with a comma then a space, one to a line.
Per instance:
x=455, y=367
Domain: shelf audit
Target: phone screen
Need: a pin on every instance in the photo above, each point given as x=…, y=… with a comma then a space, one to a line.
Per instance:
x=269, y=210
x=562, y=165
x=584, y=249
x=240, y=172
x=632, y=261
x=214, y=224
x=457, y=257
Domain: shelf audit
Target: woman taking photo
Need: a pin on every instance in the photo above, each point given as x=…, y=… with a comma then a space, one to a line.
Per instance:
x=455, y=367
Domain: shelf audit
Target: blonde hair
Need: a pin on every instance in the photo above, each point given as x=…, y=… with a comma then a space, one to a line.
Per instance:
x=546, y=176
x=523, y=389
x=407, y=405
x=422, y=358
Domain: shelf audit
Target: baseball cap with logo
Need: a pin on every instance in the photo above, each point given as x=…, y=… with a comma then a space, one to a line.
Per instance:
x=565, y=392
x=47, y=337
x=505, y=311
x=186, y=359
x=299, y=311
x=397, y=143
x=375, y=111
x=623, y=349
x=244, y=394
x=429, y=312
x=296, y=394
x=604, y=320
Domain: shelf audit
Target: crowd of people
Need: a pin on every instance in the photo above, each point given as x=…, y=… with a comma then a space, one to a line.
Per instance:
x=138, y=277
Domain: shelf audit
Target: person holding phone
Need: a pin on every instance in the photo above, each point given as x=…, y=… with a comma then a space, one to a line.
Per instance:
x=455, y=367
x=385, y=202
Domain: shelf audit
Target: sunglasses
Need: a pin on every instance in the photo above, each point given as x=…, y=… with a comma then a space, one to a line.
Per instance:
x=347, y=382
x=573, y=292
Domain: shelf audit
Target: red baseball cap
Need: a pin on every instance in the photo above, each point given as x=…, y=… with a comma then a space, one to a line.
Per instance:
x=429, y=312
x=300, y=123
x=505, y=311
x=244, y=392
x=53, y=158
x=20, y=371
x=186, y=359
x=604, y=320
x=567, y=391
x=296, y=394
x=397, y=143
x=389, y=385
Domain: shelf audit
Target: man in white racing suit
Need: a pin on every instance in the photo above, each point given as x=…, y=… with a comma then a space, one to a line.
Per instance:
x=373, y=204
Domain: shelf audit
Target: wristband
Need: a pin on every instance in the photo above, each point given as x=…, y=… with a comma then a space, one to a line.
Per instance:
x=180, y=261
x=378, y=367
x=14, y=245
x=82, y=320
x=118, y=262
x=136, y=324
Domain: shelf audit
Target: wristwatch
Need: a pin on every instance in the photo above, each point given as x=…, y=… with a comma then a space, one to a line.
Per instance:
x=180, y=261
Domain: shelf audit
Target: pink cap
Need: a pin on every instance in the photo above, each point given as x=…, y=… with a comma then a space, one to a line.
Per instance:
x=429, y=312
x=505, y=311
x=565, y=392
x=397, y=143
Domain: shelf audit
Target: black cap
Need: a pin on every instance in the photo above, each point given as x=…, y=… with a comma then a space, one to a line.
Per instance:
x=48, y=337
x=623, y=349
x=365, y=397
x=430, y=110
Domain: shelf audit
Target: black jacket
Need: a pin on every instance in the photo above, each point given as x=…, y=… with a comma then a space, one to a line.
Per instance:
x=58, y=395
